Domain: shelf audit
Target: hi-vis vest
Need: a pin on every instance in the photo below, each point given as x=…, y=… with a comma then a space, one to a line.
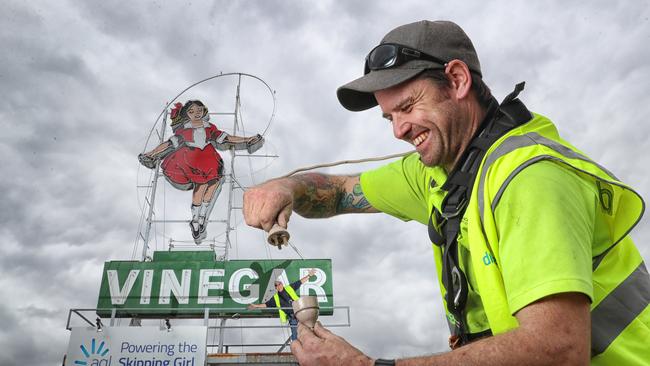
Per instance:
x=276, y=297
x=620, y=312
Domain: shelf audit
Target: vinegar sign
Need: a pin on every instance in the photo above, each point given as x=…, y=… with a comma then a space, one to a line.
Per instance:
x=185, y=286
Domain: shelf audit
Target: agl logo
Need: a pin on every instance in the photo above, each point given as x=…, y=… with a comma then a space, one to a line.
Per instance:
x=96, y=356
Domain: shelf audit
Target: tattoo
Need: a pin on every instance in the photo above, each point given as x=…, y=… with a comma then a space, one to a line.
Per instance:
x=319, y=197
x=353, y=201
x=327, y=195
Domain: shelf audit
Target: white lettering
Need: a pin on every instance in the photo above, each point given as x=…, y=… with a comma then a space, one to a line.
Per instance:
x=316, y=285
x=208, y=286
x=119, y=295
x=171, y=285
x=278, y=274
x=233, y=286
x=145, y=294
x=205, y=285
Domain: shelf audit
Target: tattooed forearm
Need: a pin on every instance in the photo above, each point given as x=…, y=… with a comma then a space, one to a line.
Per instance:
x=323, y=195
x=319, y=195
x=353, y=201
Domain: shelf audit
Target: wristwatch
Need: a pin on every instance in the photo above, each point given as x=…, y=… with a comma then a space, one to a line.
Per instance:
x=383, y=362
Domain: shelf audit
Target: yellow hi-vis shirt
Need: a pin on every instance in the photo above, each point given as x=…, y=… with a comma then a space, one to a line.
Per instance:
x=292, y=294
x=555, y=222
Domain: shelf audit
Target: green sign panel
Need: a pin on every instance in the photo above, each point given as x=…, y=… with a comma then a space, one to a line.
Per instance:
x=183, y=284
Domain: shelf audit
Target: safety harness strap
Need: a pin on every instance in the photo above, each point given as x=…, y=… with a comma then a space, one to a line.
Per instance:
x=498, y=121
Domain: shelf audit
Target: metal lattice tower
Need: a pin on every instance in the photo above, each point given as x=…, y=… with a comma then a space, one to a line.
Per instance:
x=148, y=217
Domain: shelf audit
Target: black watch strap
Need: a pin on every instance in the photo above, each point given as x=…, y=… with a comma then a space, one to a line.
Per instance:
x=383, y=362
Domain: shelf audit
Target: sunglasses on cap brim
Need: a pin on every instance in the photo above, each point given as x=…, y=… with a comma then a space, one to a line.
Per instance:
x=389, y=55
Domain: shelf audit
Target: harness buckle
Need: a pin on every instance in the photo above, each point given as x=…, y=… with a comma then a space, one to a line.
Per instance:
x=460, y=296
x=449, y=212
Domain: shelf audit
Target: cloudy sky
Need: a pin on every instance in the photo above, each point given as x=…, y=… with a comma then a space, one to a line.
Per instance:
x=82, y=83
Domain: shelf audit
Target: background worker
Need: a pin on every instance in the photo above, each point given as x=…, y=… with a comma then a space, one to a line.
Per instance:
x=530, y=236
x=283, y=298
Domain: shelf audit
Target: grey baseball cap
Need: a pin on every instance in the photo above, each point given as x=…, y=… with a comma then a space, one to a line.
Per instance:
x=442, y=39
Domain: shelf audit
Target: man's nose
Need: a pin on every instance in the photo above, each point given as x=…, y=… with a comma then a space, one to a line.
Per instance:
x=401, y=126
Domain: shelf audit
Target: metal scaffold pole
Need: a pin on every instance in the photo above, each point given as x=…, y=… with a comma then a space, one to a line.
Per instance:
x=152, y=212
x=152, y=197
x=232, y=173
x=230, y=203
x=146, y=231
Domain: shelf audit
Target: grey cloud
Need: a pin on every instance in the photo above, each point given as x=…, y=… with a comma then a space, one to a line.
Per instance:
x=84, y=81
x=20, y=344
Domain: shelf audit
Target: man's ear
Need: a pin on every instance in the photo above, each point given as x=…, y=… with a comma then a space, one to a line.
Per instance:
x=460, y=78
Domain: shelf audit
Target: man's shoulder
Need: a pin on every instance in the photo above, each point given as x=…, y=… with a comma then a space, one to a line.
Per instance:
x=271, y=302
x=407, y=169
x=402, y=188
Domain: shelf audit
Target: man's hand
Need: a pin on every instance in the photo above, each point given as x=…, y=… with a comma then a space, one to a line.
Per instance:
x=322, y=347
x=268, y=203
x=309, y=274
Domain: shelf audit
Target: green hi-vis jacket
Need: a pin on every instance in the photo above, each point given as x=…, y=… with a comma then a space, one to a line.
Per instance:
x=620, y=311
x=276, y=297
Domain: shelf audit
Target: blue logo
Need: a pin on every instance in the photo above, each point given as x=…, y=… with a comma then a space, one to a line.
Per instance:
x=96, y=356
x=488, y=259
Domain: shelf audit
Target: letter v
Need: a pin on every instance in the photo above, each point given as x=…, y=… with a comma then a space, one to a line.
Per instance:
x=119, y=295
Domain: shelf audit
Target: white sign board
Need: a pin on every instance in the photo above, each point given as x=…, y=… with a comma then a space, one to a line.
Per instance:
x=137, y=346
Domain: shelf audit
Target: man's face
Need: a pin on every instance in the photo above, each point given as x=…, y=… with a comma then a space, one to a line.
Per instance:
x=279, y=286
x=424, y=115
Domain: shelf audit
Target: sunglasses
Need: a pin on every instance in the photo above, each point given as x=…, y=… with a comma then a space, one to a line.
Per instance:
x=388, y=55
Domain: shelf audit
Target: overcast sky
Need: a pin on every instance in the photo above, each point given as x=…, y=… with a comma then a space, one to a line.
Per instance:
x=82, y=83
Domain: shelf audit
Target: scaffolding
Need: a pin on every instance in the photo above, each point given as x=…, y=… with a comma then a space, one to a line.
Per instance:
x=220, y=349
x=148, y=208
x=113, y=317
